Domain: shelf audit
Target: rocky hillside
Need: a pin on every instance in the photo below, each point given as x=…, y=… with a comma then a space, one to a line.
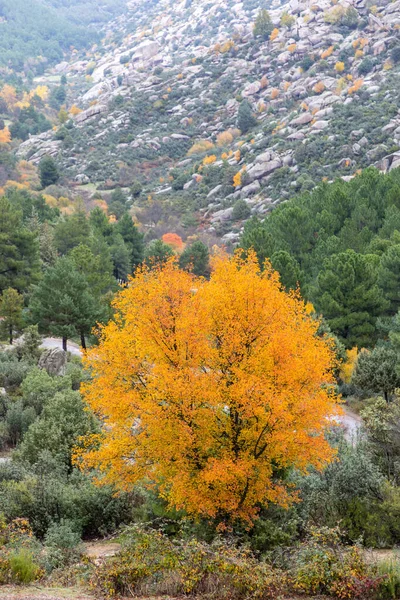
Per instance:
x=207, y=123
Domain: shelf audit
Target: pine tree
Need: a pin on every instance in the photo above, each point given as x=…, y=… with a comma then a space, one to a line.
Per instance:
x=48, y=171
x=19, y=255
x=246, y=120
x=196, y=258
x=132, y=238
x=121, y=258
x=62, y=303
x=348, y=296
x=263, y=25
x=11, y=305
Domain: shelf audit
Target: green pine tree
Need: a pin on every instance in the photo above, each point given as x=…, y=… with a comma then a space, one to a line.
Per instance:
x=62, y=303
x=11, y=305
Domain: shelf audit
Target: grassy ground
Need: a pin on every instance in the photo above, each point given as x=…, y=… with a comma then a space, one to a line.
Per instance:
x=37, y=592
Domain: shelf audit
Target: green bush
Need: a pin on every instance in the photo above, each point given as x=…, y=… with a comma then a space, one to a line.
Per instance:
x=240, y=211
x=389, y=571
x=63, y=544
x=23, y=567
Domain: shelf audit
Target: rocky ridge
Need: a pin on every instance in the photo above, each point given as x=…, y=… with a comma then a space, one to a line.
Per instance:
x=161, y=104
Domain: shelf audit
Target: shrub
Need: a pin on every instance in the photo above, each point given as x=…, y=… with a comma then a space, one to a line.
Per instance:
x=23, y=567
x=306, y=63
x=321, y=565
x=395, y=54
x=62, y=543
x=240, y=210
x=389, y=586
x=200, y=147
x=150, y=563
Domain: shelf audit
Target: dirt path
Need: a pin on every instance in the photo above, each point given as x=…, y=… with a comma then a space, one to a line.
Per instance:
x=34, y=592
x=100, y=550
x=50, y=343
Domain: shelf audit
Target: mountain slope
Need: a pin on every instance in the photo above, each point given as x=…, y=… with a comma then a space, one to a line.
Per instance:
x=32, y=31
x=320, y=96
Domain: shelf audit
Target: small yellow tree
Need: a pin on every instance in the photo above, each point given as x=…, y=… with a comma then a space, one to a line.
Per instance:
x=5, y=136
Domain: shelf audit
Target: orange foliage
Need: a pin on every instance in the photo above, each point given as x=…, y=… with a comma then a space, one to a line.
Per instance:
x=237, y=179
x=274, y=93
x=209, y=389
x=327, y=52
x=356, y=86
x=263, y=82
x=200, y=146
x=75, y=110
x=209, y=160
x=173, y=240
x=5, y=136
x=274, y=34
x=319, y=87
x=291, y=47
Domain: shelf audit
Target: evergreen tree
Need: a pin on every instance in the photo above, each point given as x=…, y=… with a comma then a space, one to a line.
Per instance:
x=288, y=269
x=19, y=256
x=99, y=222
x=157, y=253
x=71, y=232
x=132, y=238
x=246, y=119
x=121, y=258
x=11, y=305
x=263, y=25
x=98, y=273
x=376, y=372
x=48, y=171
x=349, y=298
x=62, y=303
x=389, y=277
x=196, y=257
x=255, y=236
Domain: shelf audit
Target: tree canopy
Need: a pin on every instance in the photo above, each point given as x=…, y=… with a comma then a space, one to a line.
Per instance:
x=211, y=390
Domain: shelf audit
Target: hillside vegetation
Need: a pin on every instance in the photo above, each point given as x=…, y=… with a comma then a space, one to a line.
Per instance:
x=202, y=201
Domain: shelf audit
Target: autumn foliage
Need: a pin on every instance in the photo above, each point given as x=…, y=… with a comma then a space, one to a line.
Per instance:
x=5, y=136
x=209, y=390
x=173, y=239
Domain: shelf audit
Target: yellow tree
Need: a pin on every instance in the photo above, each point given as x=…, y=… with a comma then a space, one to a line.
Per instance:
x=9, y=95
x=5, y=136
x=210, y=390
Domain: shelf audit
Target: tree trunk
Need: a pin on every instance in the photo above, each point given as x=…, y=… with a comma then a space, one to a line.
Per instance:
x=11, y=334
x=64, y=342
x=83, y=341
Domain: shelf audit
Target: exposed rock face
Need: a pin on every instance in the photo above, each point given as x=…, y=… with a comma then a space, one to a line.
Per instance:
x=54, y=361
x=177, y=76
x=93, y=111
x=302, y=119
x=147, y=50
x=261, y=169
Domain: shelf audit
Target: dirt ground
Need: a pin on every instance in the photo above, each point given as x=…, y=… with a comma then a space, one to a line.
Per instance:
x=38, y=592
